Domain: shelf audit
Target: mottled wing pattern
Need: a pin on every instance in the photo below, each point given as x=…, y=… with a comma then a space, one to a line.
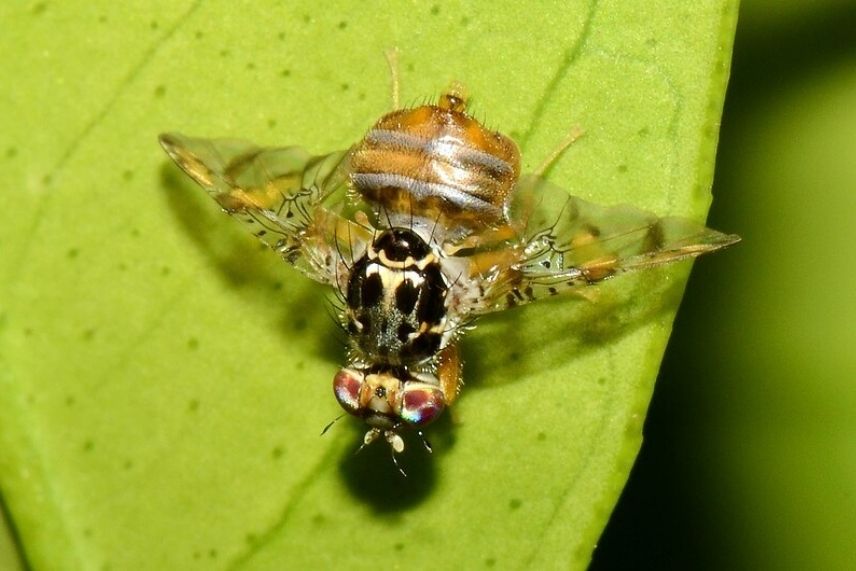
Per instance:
x=283, y=195
x=581, y=244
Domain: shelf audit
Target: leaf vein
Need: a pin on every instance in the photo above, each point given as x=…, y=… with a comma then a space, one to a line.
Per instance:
x=570, y=58
x=295, y=495
x=148, y=55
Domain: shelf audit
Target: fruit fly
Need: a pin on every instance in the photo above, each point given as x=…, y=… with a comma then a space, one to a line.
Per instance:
x=420, y=228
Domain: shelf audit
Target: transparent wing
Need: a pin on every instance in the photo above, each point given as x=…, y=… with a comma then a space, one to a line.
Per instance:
x=286, y=197
x=576, y=243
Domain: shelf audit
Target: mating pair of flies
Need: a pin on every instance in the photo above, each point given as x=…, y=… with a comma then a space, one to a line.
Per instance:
x=420, y=228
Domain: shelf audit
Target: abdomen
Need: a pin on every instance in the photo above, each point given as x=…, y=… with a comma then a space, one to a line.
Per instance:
x=436, y=159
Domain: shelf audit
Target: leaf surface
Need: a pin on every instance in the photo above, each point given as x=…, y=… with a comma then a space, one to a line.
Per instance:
x=163, y=380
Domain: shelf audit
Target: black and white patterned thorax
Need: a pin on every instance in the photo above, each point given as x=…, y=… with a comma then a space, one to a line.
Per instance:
x=397, y=300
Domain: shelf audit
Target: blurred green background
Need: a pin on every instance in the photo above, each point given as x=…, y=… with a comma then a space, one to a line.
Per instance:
x=749, y=458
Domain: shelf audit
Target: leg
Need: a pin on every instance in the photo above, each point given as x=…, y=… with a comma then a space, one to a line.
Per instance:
x=449, y=373
x=547, y=164
x=392, y=61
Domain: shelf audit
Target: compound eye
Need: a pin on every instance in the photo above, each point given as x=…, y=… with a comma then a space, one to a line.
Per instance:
x=346, y=386
x=421, y=404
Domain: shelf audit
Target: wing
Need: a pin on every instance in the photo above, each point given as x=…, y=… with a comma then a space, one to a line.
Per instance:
x=581, y=244
x=285, y=196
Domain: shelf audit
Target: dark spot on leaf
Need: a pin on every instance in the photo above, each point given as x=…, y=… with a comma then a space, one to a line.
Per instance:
x=277, y=452
x=135, y=232
x=601, y=381
x=40, y=8
x=193, y=405
x=489, y=562
x=69, y=400
x=398, y=546
x=281, y=35
x=212, y=553
x=128, y=464
x=251, y=65
x=198, y=35
x=271, y=123
x=88, y=446
x=72, y=253
x=88, y=334
x=465, y=21
x=193, y=343
x=250, y=538
x=435, y=9
x=122, y=266
x=166, y=270
x=345, y=87
x=102, y=19
x=651, y=42
x=224, y=53
x=643, y=132
x=342, y=25
x=514, y=356
x=87, y=532
x=47, y=180
x=196, y=555
x=319, y=519
x=160, y=91
x=307, y=18
x=127, y=175
x=622, y=168
x=515, y=504
x=11, y=153
x=300, y=365
x=153, y=25
x=300, y=324
x=541, y=437
x=285, y=73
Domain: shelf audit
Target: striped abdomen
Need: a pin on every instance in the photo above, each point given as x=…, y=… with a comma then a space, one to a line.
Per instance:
x=436, y=159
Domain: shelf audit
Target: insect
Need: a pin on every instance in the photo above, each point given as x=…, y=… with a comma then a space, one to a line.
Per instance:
x=420, y=228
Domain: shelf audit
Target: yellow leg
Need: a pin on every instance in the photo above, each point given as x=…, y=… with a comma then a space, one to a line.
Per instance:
x=392, y=61
x=570, y=139
x=449, y=373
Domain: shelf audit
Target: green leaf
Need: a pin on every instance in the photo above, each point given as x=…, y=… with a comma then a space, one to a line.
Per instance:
x=163, y=381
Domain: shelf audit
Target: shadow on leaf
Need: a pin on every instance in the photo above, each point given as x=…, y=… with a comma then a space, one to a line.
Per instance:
x=372, y=477
x=252, y=269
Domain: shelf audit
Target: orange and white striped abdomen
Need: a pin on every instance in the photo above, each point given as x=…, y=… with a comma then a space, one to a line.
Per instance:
x=436, y=159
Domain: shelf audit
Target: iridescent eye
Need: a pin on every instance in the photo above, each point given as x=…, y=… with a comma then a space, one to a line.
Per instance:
x=346, y=386
x=421, y=403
